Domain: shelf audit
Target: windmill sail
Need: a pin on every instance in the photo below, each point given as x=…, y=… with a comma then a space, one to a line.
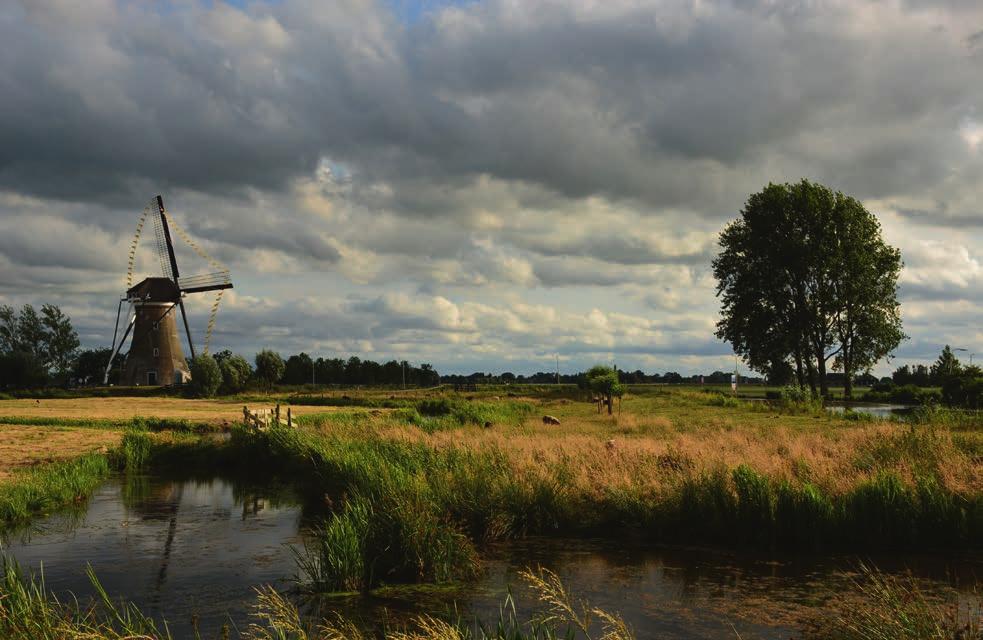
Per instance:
x=155, y=355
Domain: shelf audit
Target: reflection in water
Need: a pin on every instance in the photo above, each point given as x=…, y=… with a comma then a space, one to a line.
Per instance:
x=177, y=548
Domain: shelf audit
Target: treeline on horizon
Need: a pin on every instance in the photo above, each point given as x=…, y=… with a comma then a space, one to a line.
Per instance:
x=41, y=349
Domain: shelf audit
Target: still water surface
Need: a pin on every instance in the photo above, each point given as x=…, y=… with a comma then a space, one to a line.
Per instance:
x=877, y=410
x=183, y=548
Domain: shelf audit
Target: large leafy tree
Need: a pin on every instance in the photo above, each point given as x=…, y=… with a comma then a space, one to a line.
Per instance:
x=805, y=279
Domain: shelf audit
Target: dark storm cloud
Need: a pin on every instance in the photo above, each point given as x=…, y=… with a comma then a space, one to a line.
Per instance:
x=657, y=103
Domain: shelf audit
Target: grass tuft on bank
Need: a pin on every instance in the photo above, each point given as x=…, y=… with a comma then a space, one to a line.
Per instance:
x=41, y=490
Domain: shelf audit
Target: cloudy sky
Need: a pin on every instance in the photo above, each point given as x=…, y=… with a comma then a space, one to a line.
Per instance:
x=485, y=184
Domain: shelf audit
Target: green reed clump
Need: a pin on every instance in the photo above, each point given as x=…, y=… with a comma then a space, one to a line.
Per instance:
x=882, y=512
x=804, y=515
x=40, y=490
x=399, y=537
x=948, y=417
x=133, y=451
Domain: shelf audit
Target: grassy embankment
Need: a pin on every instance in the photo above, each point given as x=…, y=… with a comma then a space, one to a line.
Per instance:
x=416, y=489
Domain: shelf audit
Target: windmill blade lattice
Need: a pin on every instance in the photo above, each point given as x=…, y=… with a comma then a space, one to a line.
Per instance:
x=136, y=241
x=221, y=273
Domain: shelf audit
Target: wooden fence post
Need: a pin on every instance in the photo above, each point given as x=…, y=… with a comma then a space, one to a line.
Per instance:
x=290, y=419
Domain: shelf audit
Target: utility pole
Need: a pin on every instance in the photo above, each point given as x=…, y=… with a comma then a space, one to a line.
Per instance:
x=404, y=374
x=558, y=368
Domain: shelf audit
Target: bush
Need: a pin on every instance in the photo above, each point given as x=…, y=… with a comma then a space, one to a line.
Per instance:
x=235, y=373
x=437, y=407
x=397, y=537
x=964, y=391
x=205, y=376
x=791, y=393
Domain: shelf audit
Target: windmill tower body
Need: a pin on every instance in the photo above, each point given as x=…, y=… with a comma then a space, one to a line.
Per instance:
x=155, y=356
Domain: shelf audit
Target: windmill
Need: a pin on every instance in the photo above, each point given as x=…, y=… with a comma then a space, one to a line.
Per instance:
x=155, y=356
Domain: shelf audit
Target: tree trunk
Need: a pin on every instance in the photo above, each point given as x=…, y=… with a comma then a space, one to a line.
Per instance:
x=610, y=403
x=821, y=367
x=811, y=371
x=799, y=376
x=847, y=375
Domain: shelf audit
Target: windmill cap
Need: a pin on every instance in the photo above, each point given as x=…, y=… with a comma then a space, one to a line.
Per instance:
x=155, y=289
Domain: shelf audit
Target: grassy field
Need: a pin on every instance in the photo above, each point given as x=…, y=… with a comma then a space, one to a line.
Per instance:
x=23, y=447
x=419, y=481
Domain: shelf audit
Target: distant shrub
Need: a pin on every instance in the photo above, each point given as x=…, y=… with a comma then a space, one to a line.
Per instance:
x=884, y=386
x=792, y=393
x=206, y=377
x=904, y=394
x=434, y=407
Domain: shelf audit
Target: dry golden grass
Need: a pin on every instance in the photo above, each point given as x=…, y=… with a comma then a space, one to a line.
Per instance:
x=649, y=447
x=25, y=446
x=125, y=408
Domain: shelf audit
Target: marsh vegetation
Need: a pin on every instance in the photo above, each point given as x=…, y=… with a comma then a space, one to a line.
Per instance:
x=414, y=489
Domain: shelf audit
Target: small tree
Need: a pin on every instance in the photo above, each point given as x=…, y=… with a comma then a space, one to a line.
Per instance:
x=946, y=366
x=205, y=376
x=604, y=381
x=61, y=341
x=236, y=372
x=269, y=367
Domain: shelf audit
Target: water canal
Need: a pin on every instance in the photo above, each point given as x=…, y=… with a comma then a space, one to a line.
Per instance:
x=182, y=549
